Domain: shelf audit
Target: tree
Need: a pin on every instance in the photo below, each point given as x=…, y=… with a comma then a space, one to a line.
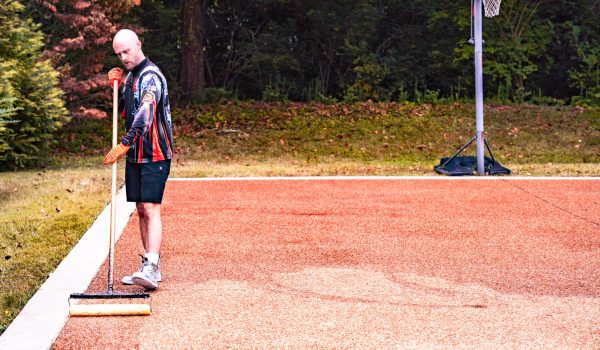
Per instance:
x=28, y=89
x=161, y=23
x=192, y=53
x=79, y=34
x=373, y=49
x=251, y=47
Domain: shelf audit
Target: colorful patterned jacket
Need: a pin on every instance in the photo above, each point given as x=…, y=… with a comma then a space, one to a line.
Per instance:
x=144, y=103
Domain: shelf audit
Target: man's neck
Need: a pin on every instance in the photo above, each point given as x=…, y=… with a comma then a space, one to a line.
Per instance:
x=139, y=65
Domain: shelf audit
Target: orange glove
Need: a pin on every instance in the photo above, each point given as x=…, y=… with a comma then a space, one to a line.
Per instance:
x=115, y=74
x=115, y=153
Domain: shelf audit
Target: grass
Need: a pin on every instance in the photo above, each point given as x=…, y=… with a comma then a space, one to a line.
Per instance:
x=325, y=167
x=43, y=213
x=403, y=134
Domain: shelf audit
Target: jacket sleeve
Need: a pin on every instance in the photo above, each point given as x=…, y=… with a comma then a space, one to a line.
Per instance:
x=121, y=106
x=150, y=92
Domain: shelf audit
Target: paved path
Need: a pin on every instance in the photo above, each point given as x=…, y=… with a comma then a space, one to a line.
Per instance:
x=365, y=263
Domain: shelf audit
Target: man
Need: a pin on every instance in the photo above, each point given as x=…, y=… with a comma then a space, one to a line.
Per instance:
x=148, y=144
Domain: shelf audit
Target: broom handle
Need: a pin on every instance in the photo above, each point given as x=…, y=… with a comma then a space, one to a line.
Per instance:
x=113, y=205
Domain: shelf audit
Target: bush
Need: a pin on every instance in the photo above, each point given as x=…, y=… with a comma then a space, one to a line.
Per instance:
x=28, y=89
x=216, y=95
x=6, y=112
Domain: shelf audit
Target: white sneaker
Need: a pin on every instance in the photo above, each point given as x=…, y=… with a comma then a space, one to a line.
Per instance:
x=147, y=277
x=128, y=280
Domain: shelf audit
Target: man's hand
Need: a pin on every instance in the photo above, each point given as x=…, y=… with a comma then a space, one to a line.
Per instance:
x=115, y=153
x=115, y=74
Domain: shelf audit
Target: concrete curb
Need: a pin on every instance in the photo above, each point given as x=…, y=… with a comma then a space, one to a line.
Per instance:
x=39, y=323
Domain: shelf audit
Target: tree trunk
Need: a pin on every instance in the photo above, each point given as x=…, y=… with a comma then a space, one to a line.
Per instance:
x=192, y=57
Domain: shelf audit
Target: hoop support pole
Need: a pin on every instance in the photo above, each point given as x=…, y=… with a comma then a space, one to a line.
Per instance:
x=477, y=13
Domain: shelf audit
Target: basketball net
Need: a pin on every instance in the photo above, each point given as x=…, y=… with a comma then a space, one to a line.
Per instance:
x=491, y=7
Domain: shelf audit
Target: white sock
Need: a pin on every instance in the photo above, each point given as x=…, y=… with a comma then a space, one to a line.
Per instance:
x=152, y=257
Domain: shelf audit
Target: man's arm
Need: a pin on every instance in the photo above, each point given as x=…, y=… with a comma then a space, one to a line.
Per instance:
x=150, y=90
x=116, y=75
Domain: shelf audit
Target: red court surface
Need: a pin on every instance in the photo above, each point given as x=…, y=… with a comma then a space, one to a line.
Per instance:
x=365, y=264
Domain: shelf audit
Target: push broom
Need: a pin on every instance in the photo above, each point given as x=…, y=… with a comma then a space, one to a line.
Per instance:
x=104, y=307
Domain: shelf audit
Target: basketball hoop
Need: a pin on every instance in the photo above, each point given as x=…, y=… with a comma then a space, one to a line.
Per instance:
x=491, y=7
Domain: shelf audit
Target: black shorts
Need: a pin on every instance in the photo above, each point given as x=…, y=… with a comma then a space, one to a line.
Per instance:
x=145, y=182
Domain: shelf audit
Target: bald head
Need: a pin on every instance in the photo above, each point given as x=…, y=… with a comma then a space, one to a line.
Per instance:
x=128, y=48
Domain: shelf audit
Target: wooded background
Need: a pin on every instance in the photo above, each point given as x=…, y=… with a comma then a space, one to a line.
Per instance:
x=545, y=52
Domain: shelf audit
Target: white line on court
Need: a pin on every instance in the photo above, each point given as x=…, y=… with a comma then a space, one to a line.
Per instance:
x=41, y=320
x=440, y=178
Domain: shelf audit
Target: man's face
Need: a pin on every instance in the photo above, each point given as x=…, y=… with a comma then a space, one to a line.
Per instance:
x=129, y=52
